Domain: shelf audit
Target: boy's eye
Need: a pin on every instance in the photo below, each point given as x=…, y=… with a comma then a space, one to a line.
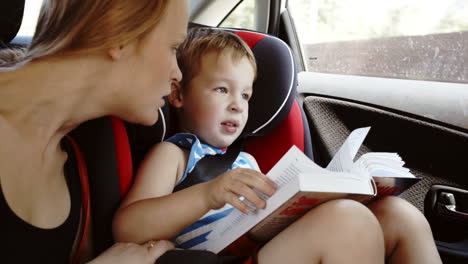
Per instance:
x=221, y=89
x=246, y=96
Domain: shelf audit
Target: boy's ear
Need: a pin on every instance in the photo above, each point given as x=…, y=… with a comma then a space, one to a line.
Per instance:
x=175, y=97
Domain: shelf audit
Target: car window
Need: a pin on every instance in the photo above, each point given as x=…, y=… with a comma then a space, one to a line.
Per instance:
x=243, y=16
x=30, y=15
x=405, y=39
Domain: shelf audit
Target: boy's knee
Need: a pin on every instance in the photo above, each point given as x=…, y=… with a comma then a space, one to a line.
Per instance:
x=391, y=208
x=345, y=207
x=350, y=215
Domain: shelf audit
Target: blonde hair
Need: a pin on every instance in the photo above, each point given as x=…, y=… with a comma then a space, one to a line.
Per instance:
x=11, y=56
x=71, y=26
x=200, y=41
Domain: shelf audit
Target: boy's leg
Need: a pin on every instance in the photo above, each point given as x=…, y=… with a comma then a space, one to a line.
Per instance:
x=407, y=234
x=340, y=231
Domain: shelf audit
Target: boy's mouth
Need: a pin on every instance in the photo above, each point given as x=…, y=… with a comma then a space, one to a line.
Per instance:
x=230, y=126
x=230, y=123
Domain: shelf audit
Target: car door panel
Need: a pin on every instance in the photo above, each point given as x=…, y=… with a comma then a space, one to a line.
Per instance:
x=433, y=150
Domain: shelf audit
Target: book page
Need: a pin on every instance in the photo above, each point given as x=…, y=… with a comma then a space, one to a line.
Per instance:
x=290, y=165
x=384, y=164
x=343, y=159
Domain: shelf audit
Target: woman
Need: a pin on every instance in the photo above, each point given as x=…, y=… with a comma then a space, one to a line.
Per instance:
x=87, y=59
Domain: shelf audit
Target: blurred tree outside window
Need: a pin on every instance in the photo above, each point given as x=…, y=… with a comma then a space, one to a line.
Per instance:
x=406, y=39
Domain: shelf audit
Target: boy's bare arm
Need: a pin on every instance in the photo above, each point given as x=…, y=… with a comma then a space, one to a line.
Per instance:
x=150, y=211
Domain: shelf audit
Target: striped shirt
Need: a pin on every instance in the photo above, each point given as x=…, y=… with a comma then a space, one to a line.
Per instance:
x=194, y=236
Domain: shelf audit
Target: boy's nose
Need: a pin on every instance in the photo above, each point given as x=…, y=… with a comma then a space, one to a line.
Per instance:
x=235, y=106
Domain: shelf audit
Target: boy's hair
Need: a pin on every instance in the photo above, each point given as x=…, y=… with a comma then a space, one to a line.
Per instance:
x=200, y=41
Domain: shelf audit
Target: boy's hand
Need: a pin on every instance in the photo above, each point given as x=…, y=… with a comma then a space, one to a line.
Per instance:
x=236, y=183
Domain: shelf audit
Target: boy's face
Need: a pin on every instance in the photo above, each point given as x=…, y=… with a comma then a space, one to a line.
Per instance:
x=215, y=103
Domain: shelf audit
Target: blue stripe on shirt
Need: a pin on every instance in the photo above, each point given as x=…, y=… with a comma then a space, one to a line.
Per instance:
x=194, y=241
x=207, y=220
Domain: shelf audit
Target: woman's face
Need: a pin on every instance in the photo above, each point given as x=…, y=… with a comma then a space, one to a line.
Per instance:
x=153, y=66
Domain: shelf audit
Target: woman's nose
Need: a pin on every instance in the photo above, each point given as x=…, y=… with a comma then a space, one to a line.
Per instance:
x=176, y=73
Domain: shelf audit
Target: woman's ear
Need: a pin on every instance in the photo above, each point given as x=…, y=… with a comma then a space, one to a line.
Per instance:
x=115, y=53
x=175, y=97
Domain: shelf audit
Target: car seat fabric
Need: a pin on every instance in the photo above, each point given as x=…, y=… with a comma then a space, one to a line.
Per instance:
x=123, y=156
x=11, y=16
x=275, y=88
x=269, y=148
x=106, y=151
x=276, y=122
x=143, y=138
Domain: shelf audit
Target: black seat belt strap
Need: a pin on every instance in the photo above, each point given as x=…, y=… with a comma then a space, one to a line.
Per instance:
x=211, y=166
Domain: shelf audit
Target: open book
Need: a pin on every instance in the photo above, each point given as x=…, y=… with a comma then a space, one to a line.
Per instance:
x=302, y=185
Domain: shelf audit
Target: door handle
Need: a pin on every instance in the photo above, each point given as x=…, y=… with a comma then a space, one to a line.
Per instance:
x=446, y=201
x=446, y=209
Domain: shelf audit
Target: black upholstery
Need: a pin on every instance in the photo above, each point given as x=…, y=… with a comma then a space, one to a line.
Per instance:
x=97, y=143
x=11, y=16
x=273, y=71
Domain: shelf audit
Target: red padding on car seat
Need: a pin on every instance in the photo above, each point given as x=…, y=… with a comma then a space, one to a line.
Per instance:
x=123, y=155
x=85, y=199
x=268, y=149
x=251, y=38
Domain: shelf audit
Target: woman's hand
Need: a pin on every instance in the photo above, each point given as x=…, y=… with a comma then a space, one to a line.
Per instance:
x=124, y=253
x=232, y=185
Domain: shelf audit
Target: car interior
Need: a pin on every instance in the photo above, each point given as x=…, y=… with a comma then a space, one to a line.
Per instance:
x=426, y=122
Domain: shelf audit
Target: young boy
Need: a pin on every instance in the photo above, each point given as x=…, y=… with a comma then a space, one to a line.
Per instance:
x=212, y=107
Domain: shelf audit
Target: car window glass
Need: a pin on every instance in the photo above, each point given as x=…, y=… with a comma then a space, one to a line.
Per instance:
x=30, y=15
x=243, y=16
x=406, y=39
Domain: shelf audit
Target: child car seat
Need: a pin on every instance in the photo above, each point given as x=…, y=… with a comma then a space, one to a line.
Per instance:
x=276, y=122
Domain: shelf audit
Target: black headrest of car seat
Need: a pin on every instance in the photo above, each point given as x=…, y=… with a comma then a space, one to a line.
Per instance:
x=11, y=16
x=274, y=90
